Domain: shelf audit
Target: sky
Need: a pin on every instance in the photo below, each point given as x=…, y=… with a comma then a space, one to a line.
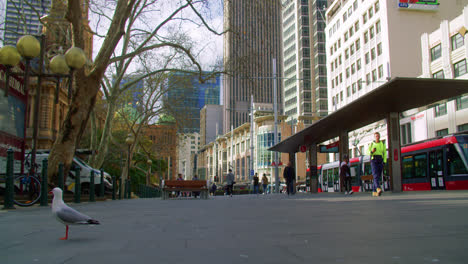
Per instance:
x=207, y=46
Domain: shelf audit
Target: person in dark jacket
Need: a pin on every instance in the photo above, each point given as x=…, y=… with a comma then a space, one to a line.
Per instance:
x=255, y=184
x=289, y=176
x=345, y=175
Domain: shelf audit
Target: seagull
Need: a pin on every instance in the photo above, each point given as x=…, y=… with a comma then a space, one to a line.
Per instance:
x=68, y=215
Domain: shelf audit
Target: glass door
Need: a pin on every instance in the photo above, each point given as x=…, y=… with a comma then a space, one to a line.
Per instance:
x=436, y=170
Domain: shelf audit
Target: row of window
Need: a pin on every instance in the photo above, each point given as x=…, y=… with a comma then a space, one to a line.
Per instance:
x=460, y=103
x=459, y=69
x=356, y=45
x=457, y=41
x=357, y=86
x=372, y=55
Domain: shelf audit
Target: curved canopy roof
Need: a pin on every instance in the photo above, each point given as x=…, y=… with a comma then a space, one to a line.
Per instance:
x=397, y=95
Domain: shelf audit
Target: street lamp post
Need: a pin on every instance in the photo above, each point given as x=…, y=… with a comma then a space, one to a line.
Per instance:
x=129, y=141
x=28, y=48
x=148, y=178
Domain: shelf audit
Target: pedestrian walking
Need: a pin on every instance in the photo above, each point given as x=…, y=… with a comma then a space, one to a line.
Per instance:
x=256, y=184
x=345, y=175
x=289, y=175
x=229, y=182
x=378, y=153
x=213, y=189
x=264, y=183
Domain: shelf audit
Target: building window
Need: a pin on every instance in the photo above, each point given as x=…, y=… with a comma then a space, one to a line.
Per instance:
x=353, y=68
x=367, y=58
x=359, y=84
x=364, y=18
x=371, y=32
x=358, y=44
x=356, y=26
x=374, y=75
x=461, y=102
x=346, y=36
x=463, y=127
x=377, y=27
x=366, y=37
x=373, y=54
x=457, y=41
x=352, y=49
x=459, y=68
x=406, y=133
x=345, y=16
x=440, y=110
x=354, y=88
x=379, y=49
x=371, y=12
x=438, y=75
x=368, y=80
x=377, y=6
x=341, y=96
x=348, y=91
x=442, y=132
x=436, y=52
x=347, y=72
x=380, y=71
x=358, y=64
x=347, y=54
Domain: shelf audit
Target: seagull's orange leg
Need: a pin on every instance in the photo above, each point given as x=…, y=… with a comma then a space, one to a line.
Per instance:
x=66, y=234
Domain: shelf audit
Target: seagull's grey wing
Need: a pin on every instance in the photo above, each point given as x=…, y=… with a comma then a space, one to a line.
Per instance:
x=71, y=216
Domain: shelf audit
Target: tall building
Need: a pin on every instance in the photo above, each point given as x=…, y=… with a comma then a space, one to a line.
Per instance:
x=251, y=43
x=304, y=59
x=22, y=18
x=186, y=96
x=187, y=147
x=211, y=123
x=369, y=42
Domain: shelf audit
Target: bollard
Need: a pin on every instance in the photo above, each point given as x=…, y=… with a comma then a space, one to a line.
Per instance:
x=120, y=193
x=9, y=184
x=125, y=189
x=129, y=195
x=44, y=185
x=60, y=176
x=77, y=185
x=91, y=187
x=114, y=183
x=101, y=190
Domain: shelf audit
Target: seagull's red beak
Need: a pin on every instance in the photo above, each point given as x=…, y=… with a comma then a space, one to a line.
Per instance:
x=50, y=192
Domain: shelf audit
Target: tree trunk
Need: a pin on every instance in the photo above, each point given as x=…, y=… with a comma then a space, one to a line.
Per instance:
x=75, y=122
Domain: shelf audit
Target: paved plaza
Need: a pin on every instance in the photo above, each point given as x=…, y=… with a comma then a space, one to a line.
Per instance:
x=411, y=227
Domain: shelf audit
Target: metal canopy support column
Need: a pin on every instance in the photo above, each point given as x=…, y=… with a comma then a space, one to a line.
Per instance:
x=394, y=151
x=343, y=149
x=312, y=157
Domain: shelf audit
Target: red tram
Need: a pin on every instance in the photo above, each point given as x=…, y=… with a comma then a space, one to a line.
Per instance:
x=435, y=164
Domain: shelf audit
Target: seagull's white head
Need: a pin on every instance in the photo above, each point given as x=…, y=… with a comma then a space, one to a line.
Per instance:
x=57, y=192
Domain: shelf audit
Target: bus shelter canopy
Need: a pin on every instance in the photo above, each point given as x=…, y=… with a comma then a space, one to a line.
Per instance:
x=395, y=96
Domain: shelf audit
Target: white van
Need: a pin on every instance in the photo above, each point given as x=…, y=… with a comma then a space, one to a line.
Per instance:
x=85, y=173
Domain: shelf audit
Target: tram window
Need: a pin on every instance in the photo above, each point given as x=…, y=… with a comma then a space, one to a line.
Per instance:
x=415, y=166
x=407, y=167
x=454, y=162
x=336, y=174
x=354, y=170
x=367, y=168
x=420, y=165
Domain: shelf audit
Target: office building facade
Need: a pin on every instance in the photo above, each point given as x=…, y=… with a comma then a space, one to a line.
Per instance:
x=186, y=96
x=250, y=46
x=22, y=18
x=367, y=46
x=304, y=59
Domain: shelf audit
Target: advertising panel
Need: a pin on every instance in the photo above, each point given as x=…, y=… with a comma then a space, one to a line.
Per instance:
x=430, y=5
x=12, y=120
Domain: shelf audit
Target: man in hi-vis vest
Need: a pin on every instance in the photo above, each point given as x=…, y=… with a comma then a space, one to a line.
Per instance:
x=378, y=153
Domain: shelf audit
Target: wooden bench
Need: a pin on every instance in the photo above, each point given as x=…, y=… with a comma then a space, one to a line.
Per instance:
x=184, y=186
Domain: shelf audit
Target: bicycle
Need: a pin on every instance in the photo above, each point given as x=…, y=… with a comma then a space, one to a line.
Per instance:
x=27, y=190
x=27, y=187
